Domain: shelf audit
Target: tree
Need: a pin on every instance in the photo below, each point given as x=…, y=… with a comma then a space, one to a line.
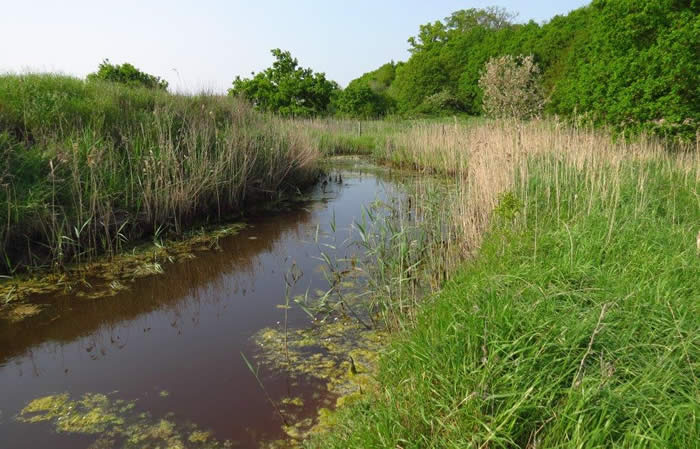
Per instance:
x=126, y=74
x=361, y=101
x=378, y=80
x=512, y=87
x=286, y=88
x=436, y=33
x=638, y=67
x=492, y=18
x=627, y=63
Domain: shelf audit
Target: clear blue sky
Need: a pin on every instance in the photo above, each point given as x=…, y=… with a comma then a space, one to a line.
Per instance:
x=204, y=44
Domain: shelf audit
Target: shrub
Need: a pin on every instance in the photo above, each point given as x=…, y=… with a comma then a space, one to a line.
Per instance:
x=286, y=88
x=127, y=74
x=512, y=87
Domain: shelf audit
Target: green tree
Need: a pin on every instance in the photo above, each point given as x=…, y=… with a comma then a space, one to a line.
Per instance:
x=440, y=54
x=638, y=67
x=631, y=64
x=126, y=74
x=378, y=80
x=361, y=101
x=286, y=88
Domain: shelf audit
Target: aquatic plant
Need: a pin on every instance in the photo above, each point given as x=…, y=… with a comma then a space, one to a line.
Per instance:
x=106, y=276
x=341, y=354
x=116, y=423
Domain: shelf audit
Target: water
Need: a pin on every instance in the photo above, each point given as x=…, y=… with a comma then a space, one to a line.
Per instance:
x=172, y=342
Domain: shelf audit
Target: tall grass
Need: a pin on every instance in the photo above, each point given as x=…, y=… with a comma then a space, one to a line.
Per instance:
x=487, y=158
x=89, y=166
x=573, y=321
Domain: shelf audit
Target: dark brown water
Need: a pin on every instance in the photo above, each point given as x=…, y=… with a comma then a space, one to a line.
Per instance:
x=182, y=332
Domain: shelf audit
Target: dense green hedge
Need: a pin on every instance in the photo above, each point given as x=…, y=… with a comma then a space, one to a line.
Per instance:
x=622, y=62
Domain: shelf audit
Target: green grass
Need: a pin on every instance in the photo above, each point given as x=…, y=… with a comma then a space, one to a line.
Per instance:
x=87, y=166
x=575, y=327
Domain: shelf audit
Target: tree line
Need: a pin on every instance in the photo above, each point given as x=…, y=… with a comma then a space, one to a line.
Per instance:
x=626, y=63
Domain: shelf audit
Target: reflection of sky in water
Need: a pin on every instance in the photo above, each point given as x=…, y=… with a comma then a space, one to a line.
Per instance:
x=182, y=332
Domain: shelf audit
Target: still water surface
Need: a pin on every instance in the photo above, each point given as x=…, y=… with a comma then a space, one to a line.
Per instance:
x=172, y=342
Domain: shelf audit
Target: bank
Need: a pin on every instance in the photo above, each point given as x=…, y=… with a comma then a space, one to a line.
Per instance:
x=91, y=168
x=574, y=324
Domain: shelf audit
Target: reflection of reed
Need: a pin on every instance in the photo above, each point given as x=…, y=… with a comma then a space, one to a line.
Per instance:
x=182, y=285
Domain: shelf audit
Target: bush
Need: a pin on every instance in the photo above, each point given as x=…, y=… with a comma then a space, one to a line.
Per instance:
x=287, y=88
x=127, y=74
x=512, y=87
x=361, y=101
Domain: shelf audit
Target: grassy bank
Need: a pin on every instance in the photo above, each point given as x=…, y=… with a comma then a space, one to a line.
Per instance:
x=573, y=321
x=86, y=168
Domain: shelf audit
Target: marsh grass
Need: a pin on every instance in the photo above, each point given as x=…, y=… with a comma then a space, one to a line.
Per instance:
x=87, y=167
x=569, y=315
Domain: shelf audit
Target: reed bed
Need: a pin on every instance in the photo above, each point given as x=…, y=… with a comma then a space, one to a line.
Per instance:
x=568, y=317
x=88, y=167
x=485, y=159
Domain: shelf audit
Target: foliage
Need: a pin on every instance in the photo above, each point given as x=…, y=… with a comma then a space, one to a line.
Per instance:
x=511, y=87
x=368, y=96
x=462, y=21
x=442, y=102
x=378, y=80
x=127, y=74
x=286, y=88
x=361, y=101
x=637, y=66
x=624, y=63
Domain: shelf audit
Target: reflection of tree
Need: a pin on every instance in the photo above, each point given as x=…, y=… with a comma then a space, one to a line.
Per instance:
x=181, y=286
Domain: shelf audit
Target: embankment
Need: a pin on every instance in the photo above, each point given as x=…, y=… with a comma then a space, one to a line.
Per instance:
x=87, y=167
x=572, y=321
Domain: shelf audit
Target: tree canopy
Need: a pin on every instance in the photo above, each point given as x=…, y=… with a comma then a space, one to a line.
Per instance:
x=626, y=63
x=287, y=88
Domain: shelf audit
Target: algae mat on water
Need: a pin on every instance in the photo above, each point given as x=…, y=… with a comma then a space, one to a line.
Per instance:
x=116, y=423
x=106, y=276
x=342, y=354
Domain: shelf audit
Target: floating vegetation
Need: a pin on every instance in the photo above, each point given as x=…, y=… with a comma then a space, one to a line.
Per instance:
x=342, y=354
x=116, y=423
x=19, y=312
x=107, y=276
x=298, y=402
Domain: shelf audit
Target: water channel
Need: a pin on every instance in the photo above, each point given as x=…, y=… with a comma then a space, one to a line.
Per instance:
x=164, y=356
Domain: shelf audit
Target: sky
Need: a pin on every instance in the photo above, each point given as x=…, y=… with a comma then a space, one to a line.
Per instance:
x=205, y=44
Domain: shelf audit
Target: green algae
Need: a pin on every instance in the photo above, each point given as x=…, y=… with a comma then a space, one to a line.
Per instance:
x=341, y=354
x=116, y=423
x=199, y=436
x=19, y=312
x=298, y=402
x=106, y=276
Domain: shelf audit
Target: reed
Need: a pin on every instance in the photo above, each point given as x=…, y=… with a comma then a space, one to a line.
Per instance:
x=567, y=316
x=88, y=167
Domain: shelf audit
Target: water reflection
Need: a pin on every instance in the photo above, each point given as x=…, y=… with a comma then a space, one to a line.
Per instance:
x=182, y=332
x=211, y=277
